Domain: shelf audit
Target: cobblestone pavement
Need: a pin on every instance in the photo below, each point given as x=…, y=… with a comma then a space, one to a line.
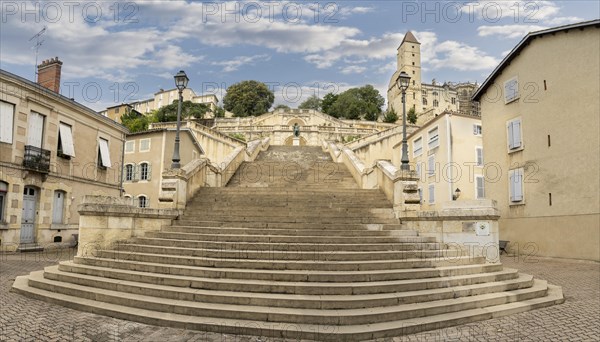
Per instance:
x=578, y=319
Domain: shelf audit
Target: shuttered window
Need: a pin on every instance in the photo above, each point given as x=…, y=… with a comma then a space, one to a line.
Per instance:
x=104, y=158
x=66, y=146
x=480, y=183
x=7, y=115
x=35, y=129
x=418, y=147
x=431, y=193
x=514, y=134
x=479, y=156
x=431, y=165
x=434, y=140
x=511, y=90
x=515, y=180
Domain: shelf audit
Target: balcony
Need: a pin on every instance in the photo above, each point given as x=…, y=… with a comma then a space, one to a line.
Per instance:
x=36, y=159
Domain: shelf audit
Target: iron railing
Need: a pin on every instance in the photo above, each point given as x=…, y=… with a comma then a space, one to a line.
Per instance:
x=36, y=159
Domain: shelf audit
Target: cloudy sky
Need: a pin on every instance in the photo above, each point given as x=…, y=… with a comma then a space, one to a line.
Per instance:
x=116, y=51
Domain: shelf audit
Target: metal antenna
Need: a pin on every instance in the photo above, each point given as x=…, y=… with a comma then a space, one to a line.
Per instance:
x=37, y=45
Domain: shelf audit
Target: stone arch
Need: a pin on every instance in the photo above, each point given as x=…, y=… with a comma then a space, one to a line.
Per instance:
x=300, y=122
x=289, y=141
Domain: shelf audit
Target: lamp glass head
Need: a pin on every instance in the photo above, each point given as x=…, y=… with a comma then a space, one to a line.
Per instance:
x=181, y=80
x=403, y=81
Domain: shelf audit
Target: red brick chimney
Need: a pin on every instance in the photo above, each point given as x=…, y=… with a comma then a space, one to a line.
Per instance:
x=49, y=74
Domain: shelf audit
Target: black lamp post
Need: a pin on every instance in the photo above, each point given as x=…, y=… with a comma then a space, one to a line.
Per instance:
x=181, y=81
x=402, y=82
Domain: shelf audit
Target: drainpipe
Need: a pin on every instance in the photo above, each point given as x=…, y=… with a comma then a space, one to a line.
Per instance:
x=121, y=190
x=449, y=142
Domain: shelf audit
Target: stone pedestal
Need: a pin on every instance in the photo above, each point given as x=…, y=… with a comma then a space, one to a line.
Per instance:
x=296, y=141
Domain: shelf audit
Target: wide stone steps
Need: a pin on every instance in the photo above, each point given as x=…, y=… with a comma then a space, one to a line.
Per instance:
x=289, y=238
x=119, y=279
x=283, y=264
x=298, y=330
x=281, y=314
x=289, y=255
x=293, y=225
x=178, y=287
x=286, y=231
x=99, y=266
x=307, y=247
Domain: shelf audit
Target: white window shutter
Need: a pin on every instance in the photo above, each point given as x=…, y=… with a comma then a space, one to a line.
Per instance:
x=480, y=187
x=510, y=135
x=431, y=194
x=479, y=156
x=104, y=153
x=66, y=139
x=7, y=114
x=149, y=173
x=517, y=134
x=431, y=165
x=518, y=185
x=35, y=129
x=475, y=129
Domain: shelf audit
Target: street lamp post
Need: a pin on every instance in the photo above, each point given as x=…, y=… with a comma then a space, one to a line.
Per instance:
x=181, y=81
x=402, y=82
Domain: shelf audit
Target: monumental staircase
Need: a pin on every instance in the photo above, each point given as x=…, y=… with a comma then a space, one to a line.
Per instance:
x=290, y=248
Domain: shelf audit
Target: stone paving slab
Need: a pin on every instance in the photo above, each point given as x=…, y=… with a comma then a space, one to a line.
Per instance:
x=24, y=319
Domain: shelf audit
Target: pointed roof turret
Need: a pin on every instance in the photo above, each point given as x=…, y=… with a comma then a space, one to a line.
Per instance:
x=410, y=38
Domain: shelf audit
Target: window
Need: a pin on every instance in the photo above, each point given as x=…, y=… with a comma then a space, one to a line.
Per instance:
x=514, y=134
x=103, y=154
x=414, y=96
x=35, y=129
x=453, y=100
x=424, y=92
x=3, y=192
x=479, y=156
x=515, y=185
x=59, y=207
x=129, y=172
x=434, y=140
x=424, y=102
x=511, y=90
x=431, y=193
x=144, y=145
x=418, y=169
x=436, y=103
x=65, y=141
x=117, y=110
x=477, y=129
x=414, y=82
x=435, y=93
x=143, y=201
x=480, y=187
x=144, y=171
x=431, y=165
x=7, y=115
x=130, y=146
x=417, y=147
x=420, y=195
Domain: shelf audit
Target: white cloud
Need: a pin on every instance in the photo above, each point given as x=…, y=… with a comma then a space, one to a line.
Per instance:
x=353, y=69
x=508, y=31
x=528, y=12
x=452, y=54
x=563, y=21
x=237, y=62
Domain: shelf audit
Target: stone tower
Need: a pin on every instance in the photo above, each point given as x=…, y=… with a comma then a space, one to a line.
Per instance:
x=409, y=61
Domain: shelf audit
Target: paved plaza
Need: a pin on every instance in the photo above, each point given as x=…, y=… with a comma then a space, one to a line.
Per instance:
x=24, y=319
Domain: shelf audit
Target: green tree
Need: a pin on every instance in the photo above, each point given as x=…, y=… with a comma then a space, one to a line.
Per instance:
x=327, y=102
x=248, y=98
x=411, y=116
x=189, y=109
x=135, y=121
x=390, y=116
x=356, y=103
x=280, y=106
x=219, y=112
x=313, y=102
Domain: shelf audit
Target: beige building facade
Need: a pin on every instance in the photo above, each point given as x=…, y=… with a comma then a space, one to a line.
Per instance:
x=541, y=112
x=147, y=154
x=53, y=151
x=447, y=154
x=166, y=97
x=428, y=99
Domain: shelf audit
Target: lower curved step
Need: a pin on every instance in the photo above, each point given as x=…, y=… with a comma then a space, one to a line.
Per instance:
x=355, y=332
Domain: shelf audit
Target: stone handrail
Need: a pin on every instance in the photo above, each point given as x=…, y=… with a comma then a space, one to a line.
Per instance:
x=200, y=129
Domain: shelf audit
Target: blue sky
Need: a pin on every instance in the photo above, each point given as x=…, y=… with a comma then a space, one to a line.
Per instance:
x=115, y=51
